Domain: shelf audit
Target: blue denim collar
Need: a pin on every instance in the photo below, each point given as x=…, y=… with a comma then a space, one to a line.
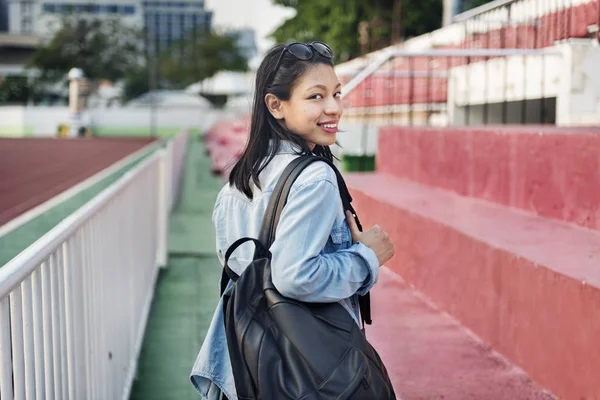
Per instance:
x=287, y=147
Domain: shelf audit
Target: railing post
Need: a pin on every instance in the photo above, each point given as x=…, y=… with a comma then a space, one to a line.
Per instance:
x=169, y=155
x=163, y=202
x=6, y=370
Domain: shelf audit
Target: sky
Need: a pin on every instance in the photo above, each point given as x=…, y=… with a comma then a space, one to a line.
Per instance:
x=260, y=15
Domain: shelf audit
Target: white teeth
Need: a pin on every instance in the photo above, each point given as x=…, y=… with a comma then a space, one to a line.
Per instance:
x=330, y=126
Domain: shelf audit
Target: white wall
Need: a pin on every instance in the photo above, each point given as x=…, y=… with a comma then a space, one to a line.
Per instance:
x=356, y=138
x=579, y=99
x=11, y=115
x=32, y=121
x=12, y=121
x=44, y=121
x=506, y=79
x=166, y=118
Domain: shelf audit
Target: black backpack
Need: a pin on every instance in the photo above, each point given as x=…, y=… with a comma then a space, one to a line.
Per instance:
x=283, y=349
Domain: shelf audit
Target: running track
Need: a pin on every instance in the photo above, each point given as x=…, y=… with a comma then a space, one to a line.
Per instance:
x=33, y=171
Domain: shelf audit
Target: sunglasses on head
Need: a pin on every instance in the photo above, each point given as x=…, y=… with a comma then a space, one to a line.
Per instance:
x=304, y=51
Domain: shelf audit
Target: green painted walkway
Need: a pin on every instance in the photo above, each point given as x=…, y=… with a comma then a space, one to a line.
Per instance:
x=187, y=290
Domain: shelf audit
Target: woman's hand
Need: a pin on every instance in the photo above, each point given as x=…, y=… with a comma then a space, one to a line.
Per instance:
x=375, y=238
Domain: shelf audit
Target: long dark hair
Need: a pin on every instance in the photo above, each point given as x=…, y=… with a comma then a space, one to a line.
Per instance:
x=264, y=128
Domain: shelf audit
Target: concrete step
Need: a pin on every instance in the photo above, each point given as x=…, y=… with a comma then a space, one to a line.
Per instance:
x=527, y=286
x=549, y=171
x=429, y=355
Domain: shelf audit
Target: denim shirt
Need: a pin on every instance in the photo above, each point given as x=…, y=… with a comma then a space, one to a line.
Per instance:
x=313, y=258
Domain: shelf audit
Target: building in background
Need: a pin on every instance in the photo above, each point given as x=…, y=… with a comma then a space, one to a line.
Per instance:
x=17, y=42
x=3, y=16
x=246, y=42
x=15, y=52
x=49, y=13
x=41, y=18
x=168, y=22
x=21, y=16
x=26, y=22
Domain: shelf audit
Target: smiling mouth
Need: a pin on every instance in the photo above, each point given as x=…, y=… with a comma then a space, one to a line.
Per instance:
x=328, y=124
x=329, y=127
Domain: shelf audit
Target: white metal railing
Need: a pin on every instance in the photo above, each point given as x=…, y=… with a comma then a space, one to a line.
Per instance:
x=170, y=178
x=520, y=10
x=372, y=69
x=74, y=305
x=177, y=148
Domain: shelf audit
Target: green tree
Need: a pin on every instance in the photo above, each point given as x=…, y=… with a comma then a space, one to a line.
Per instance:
x=198, y=57
x=15, y=90
x=103, y=49
x=337, y=22
x=136, y=83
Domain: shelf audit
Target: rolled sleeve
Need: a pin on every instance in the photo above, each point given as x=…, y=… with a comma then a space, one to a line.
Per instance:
x=371, y=261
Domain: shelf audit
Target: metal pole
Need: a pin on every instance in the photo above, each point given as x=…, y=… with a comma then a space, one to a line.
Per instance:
x=465, y=62
x=429, y=86
x=364, y=41
x=397, y=22
x=152, y=80
x=524, y=100
x=503, y=45
x=391, y=88
x=486, y=76
x=555, y=22
x=448, y=80
x=598, y=22
x=411, y=91
x=538, y=22
x=543, y=78
x=542, y=98
x=569, y=13
x=401, y=96
x=468, y=100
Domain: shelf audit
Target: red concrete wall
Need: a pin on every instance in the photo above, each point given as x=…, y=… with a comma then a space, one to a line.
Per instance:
x=552, y=172
x=543, y=320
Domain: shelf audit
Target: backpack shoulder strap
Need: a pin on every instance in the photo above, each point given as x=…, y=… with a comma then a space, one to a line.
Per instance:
x=282, y=190
x=279, y=199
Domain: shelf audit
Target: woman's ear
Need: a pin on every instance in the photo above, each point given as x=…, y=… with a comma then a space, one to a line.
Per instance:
x=274, y=105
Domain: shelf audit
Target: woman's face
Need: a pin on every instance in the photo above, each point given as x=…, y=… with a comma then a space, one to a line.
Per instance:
x=315, y=106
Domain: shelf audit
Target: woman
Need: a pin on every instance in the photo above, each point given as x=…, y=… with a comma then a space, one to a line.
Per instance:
x=318, y=254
